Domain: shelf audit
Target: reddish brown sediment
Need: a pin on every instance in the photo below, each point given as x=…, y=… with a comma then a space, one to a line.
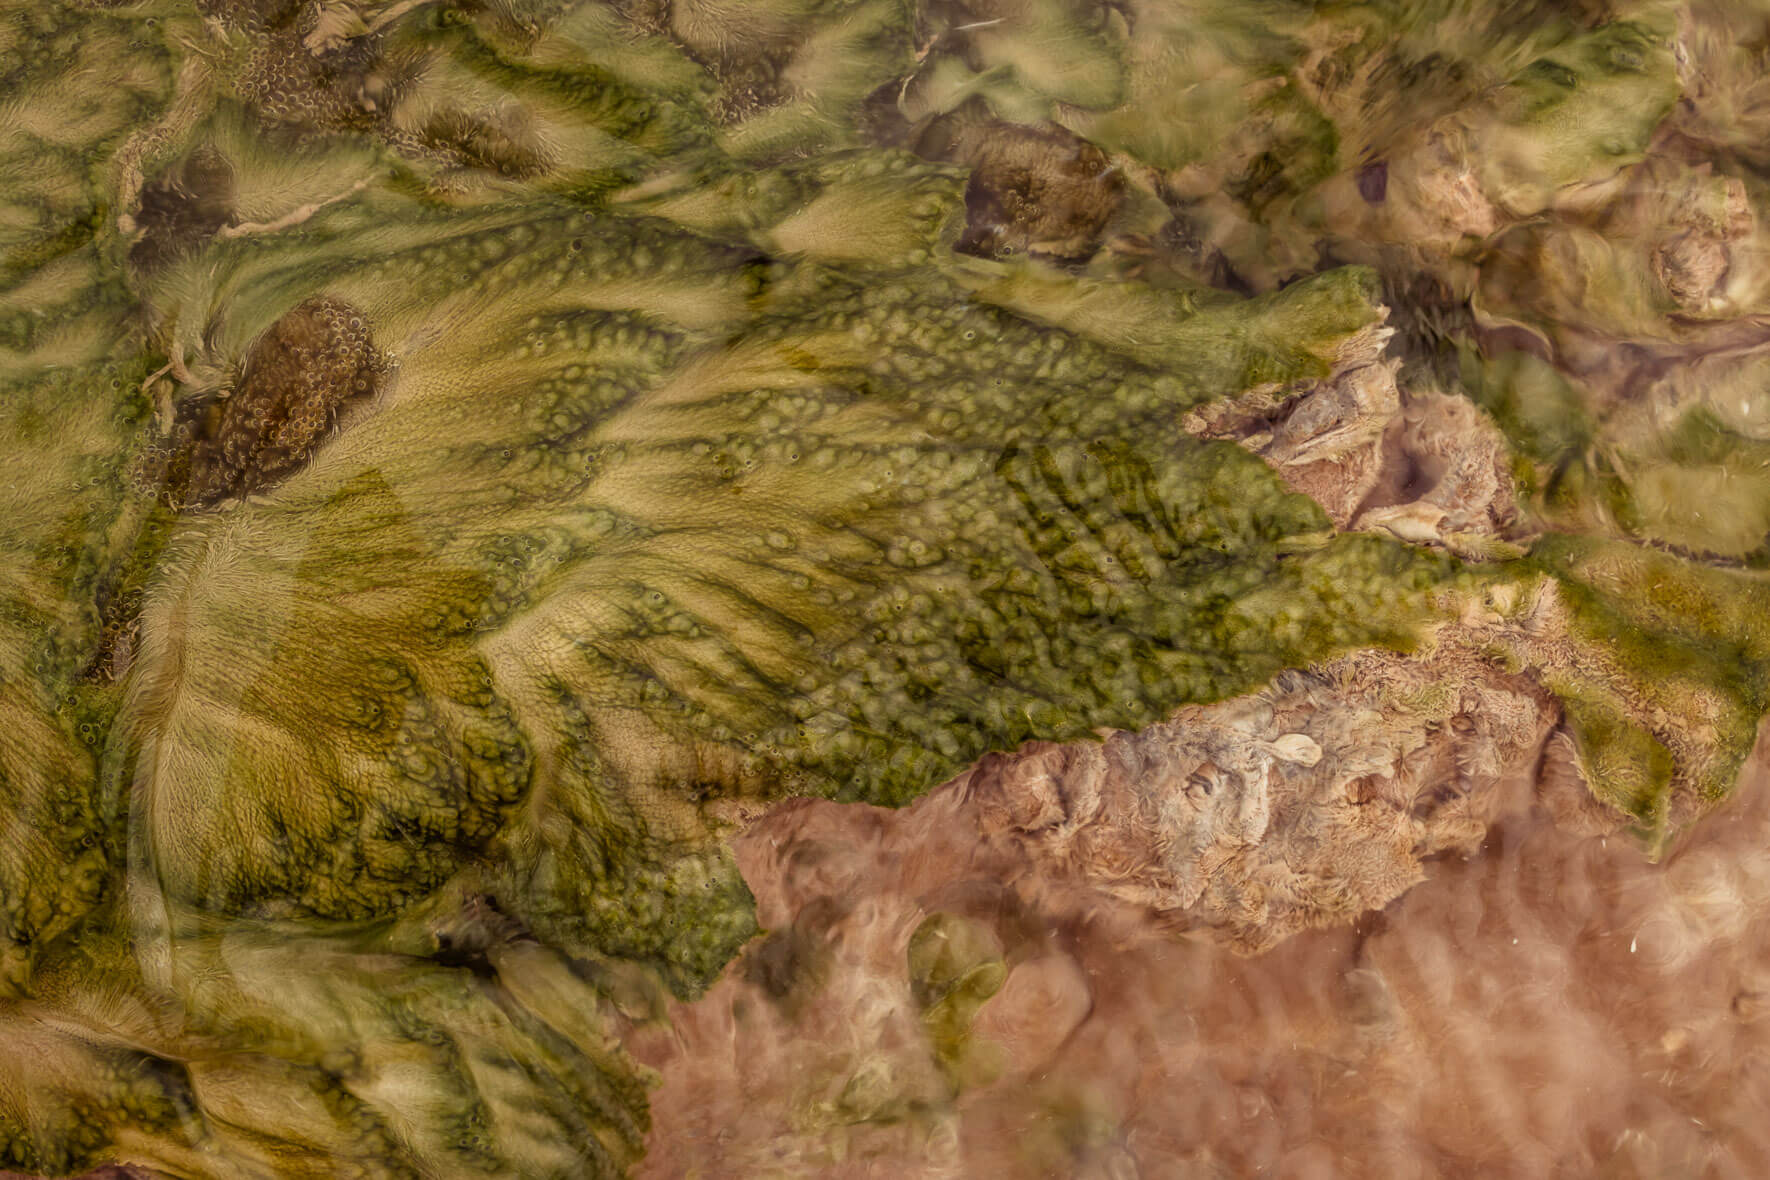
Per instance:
x=1547, y=1002
x=1374, y=919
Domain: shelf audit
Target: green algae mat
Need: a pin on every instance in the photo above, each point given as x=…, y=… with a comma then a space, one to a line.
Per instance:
x=457, y=459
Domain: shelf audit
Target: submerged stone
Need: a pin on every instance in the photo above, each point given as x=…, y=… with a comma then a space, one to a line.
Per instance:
x=466, y=460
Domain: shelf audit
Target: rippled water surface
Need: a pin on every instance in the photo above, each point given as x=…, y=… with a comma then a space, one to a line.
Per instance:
x=1004, y=588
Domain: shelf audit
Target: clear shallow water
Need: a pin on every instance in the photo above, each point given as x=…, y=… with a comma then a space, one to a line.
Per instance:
x=501, y=500
x=1549, y=1005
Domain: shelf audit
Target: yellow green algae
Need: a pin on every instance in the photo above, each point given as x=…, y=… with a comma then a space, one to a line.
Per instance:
x=689, y=462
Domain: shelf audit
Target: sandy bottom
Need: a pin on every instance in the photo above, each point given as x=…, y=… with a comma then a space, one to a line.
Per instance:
x=1553, y=1005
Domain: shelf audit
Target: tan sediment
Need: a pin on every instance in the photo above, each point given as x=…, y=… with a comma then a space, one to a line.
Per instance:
x=1545, y=1003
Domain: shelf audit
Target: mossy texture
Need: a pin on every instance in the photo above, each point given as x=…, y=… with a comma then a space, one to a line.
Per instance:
x=459, y=455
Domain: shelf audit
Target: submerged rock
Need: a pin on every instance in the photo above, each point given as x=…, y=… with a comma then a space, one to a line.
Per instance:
x=1541, y=955
x=475, y=470
x=295, y=379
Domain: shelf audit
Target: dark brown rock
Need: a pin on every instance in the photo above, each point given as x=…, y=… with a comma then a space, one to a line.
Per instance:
x=183, y=207
x=1039, y=190
x=295, y=379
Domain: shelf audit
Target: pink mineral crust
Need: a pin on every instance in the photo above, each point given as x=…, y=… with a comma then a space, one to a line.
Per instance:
x=1424, y=466
x=1546, y=1002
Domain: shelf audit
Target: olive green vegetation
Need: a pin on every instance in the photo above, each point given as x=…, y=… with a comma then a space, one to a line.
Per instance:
x=699, y=468
x=954, y=966
x=1561, y=239
x=1687, y=644
x=1693, y=484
